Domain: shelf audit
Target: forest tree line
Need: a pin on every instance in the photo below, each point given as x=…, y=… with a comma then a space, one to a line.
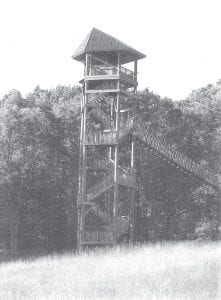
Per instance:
x=39, y=147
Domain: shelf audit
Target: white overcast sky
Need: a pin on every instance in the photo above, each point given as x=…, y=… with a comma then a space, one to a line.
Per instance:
x=181, y=39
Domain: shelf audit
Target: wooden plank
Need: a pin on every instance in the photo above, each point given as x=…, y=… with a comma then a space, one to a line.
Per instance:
x=96, y=242
x=101, y=77
x=102, y=91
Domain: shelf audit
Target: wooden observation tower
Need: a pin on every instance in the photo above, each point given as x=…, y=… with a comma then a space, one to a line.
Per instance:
x=106, y=188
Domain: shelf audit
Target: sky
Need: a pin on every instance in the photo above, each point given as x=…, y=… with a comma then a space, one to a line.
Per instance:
x=181, y=40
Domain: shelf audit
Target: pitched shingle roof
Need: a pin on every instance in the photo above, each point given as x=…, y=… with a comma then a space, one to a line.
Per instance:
x=98, y=41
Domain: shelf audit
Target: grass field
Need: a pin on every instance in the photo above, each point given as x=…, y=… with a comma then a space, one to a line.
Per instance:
x=169, y=271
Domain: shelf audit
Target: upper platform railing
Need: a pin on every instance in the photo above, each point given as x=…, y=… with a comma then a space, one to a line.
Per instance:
x=104, y=70
x=100, y=67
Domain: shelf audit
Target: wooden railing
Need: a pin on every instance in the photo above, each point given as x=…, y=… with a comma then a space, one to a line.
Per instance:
x=128, y=74
x=111, y=70
x=99, y=163
x=97, y=237
x=103, y=70
x=102, y=138
x=125, y=117
x=109, y=137
x=102, y=67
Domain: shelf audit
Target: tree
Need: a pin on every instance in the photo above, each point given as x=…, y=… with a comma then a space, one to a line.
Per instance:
x=39, y=155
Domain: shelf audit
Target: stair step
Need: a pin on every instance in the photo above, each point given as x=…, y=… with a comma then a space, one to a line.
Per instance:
x=99, y=188
x=125, y=179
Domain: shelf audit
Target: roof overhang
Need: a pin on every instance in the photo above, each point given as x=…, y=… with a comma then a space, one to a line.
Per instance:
x=102, y=44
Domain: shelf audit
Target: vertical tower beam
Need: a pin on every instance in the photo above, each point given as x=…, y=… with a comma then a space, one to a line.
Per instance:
x=116, y=187
x=79, y=204
x=111, y=125
x=133, y=159
x=83, y=161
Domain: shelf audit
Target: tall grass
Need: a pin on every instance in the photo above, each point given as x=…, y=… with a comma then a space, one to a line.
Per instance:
x=169, y=271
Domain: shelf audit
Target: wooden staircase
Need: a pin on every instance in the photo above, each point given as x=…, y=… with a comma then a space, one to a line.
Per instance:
x=100, y=115
x=124, y=178
x=100, y=187
x=173, y=155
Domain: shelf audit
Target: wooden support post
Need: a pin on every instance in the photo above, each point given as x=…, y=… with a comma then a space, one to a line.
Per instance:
x=112, y=112
x=83, y=162
x=108, y=207
x=132, y=202
x=79, y=200
x=111, y=125
x=219, y=213
x=133, y=154
x=90, y=64
x=13, y=230
x=135, y=88
x=116, y=187
x=135, y=70
x=84, y=171
x=115, y=212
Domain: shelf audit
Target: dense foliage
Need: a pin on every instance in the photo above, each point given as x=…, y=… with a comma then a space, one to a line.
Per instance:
x=39, y=144
x=174, y=205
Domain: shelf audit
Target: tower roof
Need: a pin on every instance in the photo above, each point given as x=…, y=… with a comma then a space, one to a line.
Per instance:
x=98, y=41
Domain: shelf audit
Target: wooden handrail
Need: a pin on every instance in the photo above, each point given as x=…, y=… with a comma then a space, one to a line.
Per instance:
x=161, y=146
x=102, y=137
